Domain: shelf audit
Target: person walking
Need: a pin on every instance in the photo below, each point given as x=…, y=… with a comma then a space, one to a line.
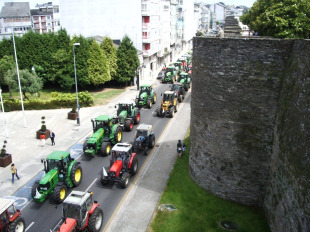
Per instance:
x=14, y=172
x=179, y=148
x=183, y=147
x=52, y=136
x=42, y=138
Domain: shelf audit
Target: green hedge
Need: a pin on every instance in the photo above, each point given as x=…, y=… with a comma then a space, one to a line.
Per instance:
x=57, y=101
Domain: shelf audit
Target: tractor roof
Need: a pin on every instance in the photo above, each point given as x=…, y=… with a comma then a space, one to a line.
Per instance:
x=177, y=83
x=77, y=197
x=127, y=102
x=104, y=118
x=4, y=204
x=177, y=62
x=183, y=74
x=170, y=67
x=58, y=155
x=144, y=127
x=122, y=147
x=168, y=92
x=145, y=85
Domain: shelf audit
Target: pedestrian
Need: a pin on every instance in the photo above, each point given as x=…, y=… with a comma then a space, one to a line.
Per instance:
x=52, y=136
x=179, y=148
x=42, y=138
x=183, y=147
x=14, y=172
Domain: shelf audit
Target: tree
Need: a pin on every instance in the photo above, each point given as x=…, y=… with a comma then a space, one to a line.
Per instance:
x=278, y=18
x=6, y=63
x=111, y=53
x=30, y=82
x=98, y=69
x=127, y=61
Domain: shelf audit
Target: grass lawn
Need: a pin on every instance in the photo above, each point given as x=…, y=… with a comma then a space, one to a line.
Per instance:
x=101, y=97
x=198, y=210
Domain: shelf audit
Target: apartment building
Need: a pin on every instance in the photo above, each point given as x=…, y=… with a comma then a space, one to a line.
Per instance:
x=14, y=16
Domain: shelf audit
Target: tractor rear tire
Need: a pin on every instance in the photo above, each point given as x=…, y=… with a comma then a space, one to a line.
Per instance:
x=18, y=225
x=137, y=102
x=154, y=98
x=171, y=111
x=118, y=135
x=125, y=180
x=152, y=141
x=128, y=125
x=34, y=187
x=149, y=103
x=105, y=149
x=60, y=193
x=186, y=87
x=95, y=221
x=103, y=180
x=134, y=166
x=136, y=119
x=158, y=112
x=180, y=98
x=76, y=174
x=84, y=145
x=176, y=107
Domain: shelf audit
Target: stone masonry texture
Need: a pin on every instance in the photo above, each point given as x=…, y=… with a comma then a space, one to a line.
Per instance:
x=250, y=122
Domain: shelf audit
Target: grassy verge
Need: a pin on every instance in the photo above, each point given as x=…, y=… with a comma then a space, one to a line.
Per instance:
x=100, y=97
x=198, y=210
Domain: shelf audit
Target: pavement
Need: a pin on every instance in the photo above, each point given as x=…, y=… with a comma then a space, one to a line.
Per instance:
x=136, y=209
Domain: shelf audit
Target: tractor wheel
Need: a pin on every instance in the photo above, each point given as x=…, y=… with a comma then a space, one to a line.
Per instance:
x=137, y=102
x=149, y=103
x=103, y=180
x=186, y=87
x=134, y=166
x=125, y=180
x=176, y=107
x=76, y=174
x=18, y=225
x=60, y=193
x=136, y=119
x=180, y=98
x=84, y=145
x=158, y=112
x=152, y=141
x=171, y=111
x=105, y=149
x=128, y=125
x=154, y=98
x=189, y=85
x=95, y=220
x=35, y=186
x=118, y=135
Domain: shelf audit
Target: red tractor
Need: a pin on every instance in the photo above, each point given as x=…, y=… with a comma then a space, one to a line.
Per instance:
x=10, y=217
x=80, y=213
x=123, y=164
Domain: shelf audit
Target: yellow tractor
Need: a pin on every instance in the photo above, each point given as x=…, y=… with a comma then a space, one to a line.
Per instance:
x=169, y=105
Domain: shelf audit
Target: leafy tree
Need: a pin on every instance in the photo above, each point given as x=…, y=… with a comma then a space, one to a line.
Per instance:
x=278, y=18
x=127, y=61
x=30, y=82
x=6, y=63
x=6, y=47
x=98, y=69
x=111, y=53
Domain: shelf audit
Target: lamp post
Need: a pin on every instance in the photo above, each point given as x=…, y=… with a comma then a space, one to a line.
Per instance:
x=4, y=119
x=76, y=88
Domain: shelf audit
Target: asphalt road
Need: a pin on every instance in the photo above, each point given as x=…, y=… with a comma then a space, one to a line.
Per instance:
x=45, y=216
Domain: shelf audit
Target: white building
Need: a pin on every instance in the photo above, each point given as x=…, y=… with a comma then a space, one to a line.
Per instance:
x=219, y=10
x=14, y=16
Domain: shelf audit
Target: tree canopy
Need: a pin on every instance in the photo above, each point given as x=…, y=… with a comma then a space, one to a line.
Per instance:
x=278, y=18
x=111, y=54
x=127, y=60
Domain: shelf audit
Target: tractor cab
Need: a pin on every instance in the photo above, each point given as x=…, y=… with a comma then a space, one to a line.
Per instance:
x=178, y=90
x=178, y=66
x=144, y=138
x=168, y=96
x=145, y=89
x=10, y=219
x=169, y=104
x=103, y=121
x=80, y=213
x=126, y=106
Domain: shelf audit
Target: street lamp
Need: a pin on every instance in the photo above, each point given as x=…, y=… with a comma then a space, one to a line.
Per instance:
x=76, y=88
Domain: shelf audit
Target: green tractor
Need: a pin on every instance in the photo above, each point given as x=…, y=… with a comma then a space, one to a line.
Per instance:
x=128, y=115
x=185, y=80
x=170, y=75
x=147, y=96
x=107, y=132
x=179, y=66
x=61, y=171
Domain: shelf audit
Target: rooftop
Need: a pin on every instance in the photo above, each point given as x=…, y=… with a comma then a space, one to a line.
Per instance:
x=15, y=9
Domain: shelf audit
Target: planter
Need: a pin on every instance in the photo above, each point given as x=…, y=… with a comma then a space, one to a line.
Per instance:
x=5, y=161
x=46, y=134
x=73, y=115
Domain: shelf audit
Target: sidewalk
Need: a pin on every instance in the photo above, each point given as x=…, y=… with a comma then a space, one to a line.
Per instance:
x=136, y=210
x=27, y=151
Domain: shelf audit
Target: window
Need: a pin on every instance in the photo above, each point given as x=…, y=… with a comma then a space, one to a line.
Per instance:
x=144, y=7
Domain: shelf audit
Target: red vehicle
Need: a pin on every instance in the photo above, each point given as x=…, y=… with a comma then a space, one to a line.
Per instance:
x=123, y=164
x=80, y=213
x=10, y=217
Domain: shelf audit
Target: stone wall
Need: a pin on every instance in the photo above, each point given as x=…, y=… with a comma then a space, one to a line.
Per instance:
x=240, y=109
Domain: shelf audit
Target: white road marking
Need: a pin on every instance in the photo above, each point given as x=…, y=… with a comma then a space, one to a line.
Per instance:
x=31, y=224
x=91, y=185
